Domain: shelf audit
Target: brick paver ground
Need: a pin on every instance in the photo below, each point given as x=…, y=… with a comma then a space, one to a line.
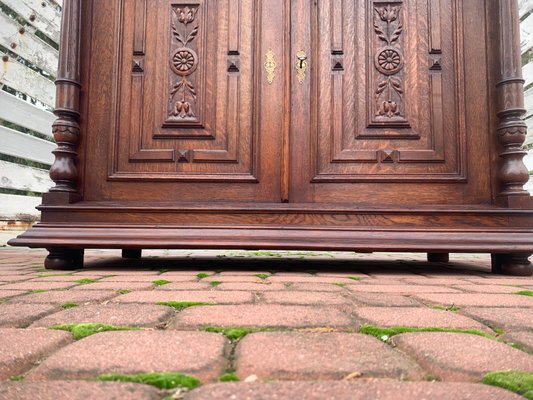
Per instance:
x=302, y=312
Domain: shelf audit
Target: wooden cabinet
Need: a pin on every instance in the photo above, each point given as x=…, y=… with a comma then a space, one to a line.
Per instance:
x=287, y=124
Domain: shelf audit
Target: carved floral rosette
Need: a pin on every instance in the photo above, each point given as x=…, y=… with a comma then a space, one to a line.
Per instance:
x=183, y=63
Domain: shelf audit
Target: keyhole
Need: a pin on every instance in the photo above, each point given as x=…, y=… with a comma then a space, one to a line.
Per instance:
x=302, y=62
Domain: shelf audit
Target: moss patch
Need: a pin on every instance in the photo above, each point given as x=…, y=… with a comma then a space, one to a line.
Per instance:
x=38, y=291
x=385, y=334
x=215, y=283
x=202, y=275
x=229, y=377
x=181, y=305
x=80, y=331
x=161, y=380
x=354, y=278
x=69, y=305
x=161, y=282
x=16, y=378
x=518, y=382
x=123, y=291
x=232, y=333
x=262, y=276
x=85, y=281
x=525, y=293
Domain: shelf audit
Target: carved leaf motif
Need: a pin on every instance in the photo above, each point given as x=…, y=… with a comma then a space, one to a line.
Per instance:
x=381, y=87
x=380, y=33
x=397, y=85
x=395, y=36
x=192, y=35
x=177, y=35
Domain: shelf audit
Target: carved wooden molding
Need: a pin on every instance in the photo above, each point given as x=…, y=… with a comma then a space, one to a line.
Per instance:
x=512, y=130
x=66, y=128
x=389, y=62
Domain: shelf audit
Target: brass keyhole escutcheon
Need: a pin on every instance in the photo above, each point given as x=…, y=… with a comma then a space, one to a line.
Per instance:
x=301, y=65
x=270, y=66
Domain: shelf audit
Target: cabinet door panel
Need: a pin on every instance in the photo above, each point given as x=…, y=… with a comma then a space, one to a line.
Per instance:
x=193, y=109
x=386, y=99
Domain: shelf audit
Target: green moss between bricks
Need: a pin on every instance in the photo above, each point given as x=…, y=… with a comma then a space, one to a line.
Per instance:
x=385, y=334
x=38, y=291
x=202, y=275
x=354, y=278
x=16, y=378
x=69, y=305
x=49, y=275
x=123, y=291
x=229, y=377
x=85, y=281
x=80, y=331
x=161, y=380
x=232, y=333
x=518, y=382
x=525, y=293
x=180, y=305
x=215, y=283
x=161, y=282
x=262, y=276
x=339, y=284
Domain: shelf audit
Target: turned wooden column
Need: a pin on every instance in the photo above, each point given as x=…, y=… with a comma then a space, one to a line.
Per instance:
x=66, y=128
x=512, y=130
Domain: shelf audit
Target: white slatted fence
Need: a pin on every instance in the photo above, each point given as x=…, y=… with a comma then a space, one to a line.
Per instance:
x=29, y=42
x=526, y=27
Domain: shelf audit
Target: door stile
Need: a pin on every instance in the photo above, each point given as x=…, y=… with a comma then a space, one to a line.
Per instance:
x=285, y=158
x=301, y=101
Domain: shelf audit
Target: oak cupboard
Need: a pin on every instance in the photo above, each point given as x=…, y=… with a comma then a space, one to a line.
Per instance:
x=363, y=125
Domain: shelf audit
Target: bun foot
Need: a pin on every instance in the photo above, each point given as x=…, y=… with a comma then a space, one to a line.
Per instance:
x=515, y=264
x=64, y=259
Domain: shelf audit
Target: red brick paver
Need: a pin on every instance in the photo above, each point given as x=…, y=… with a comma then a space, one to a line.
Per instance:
x=460, y=356
x=31, y=285
x=522, y=340
x=263, y=316
x=385, y=300
x=381, y=389
x=502, y=317
x=21, y=348
x=478, y=300
x=21, y=315
x=291, y=355
x=200, y=354
x=206, y=296
x=402, y=289
x=115, y=286
x=417, y=317
x=62, y=297
x=79, y=390
x=303, y=323
x=142, y=315
x=6, y=294
x=304, y=298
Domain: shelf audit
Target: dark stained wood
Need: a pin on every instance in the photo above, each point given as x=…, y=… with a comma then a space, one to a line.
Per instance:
x=439, y=257
x=365, y=125
x=134, y=254
x=64, y=259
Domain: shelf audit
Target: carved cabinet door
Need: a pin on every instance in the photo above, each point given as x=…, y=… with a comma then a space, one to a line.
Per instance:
x=380, y=109
x=193, y=115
